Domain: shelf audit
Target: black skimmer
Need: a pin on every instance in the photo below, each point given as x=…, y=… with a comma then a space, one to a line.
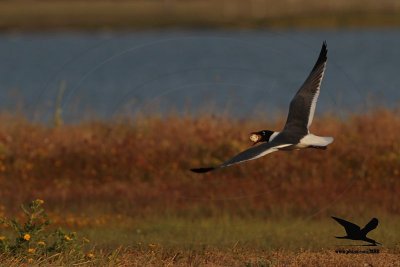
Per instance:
x=295, y=134
x=354, y=232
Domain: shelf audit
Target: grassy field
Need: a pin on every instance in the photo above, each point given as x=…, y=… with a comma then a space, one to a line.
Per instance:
x=231, y=257
x=43, y=15
x=125, y=185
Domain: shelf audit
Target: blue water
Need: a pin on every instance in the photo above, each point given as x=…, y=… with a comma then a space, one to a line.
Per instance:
x=235, y=72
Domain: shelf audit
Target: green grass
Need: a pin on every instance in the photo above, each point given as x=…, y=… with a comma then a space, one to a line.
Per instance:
x=225, y=233
x=293, y=234
x=224, y=240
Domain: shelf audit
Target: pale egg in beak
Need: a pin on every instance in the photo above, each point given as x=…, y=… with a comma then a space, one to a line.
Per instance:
x=255, y=138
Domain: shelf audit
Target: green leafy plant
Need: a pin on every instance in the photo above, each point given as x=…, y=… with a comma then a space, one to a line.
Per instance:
x=34, y=241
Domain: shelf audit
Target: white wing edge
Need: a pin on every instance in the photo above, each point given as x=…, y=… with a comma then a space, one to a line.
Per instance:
x=268, y=151
x=315, y=99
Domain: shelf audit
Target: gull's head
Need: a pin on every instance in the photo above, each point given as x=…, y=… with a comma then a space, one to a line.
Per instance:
x=261, y=136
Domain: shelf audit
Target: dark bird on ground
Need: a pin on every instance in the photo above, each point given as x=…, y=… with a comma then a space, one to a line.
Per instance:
x=354, y=232
x=295, y=134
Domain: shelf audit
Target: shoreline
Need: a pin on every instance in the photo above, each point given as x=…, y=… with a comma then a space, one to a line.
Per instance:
x=107, y=15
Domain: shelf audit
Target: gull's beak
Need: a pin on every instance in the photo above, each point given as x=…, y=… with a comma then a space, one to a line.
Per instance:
x=255, y=138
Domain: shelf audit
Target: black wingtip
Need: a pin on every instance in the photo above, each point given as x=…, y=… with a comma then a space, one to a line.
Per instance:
x=335, y=218
x=324, y=51
x=202, y=170
x=374, y=220
x=322, y=58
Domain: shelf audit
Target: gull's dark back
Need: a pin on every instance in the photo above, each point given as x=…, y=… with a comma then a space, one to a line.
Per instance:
x=302, y=106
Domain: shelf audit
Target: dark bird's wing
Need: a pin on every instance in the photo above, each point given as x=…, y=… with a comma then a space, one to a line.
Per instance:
x=370, y=226
x=302, y=106
x=246, y=155
x=350, y=228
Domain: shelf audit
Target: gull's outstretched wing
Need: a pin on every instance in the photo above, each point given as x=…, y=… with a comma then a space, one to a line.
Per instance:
x=370, y=226
x=348, y=226
x=246, y=155
x=302, y=106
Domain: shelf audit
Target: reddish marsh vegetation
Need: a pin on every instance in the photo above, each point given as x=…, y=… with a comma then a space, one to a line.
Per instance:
x=140, y=167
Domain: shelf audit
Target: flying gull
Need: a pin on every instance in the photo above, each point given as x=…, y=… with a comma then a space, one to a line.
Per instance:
x=295, y=134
